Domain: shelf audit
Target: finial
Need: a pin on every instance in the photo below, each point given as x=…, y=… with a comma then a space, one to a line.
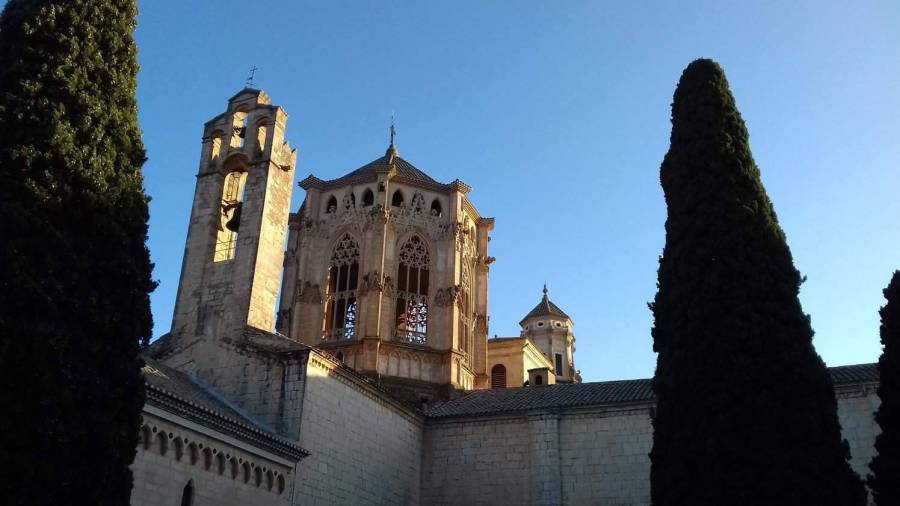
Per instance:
x=545, y=288
x=249, y=82
x=392, y=149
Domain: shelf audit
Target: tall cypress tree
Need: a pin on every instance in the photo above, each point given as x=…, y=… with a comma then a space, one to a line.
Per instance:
x=746, y=412
x=885, y=480
x=75, y=274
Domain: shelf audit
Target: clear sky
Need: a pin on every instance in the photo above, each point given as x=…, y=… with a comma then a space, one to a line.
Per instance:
x=557, y=113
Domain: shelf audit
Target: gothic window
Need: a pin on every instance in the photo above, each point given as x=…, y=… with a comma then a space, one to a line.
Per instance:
x=332, y=205
x=498, y=376
x=465, y=309
x=187, y=494
x=230, y=216
x=559, y=368
x=368, y=198
x=340, y=300
x=436, y=207
x=397, y=199
x=411, y=314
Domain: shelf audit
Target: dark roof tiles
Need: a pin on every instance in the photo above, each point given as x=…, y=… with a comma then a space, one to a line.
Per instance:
x=500, y=401
x=545, y=307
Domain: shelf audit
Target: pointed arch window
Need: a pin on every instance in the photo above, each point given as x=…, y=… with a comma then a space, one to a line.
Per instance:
x=340, y=300
x=411, y=315
x=230, y=218
x=465, y=310
x=397, y=199
x=332, y=205
x=368, y=198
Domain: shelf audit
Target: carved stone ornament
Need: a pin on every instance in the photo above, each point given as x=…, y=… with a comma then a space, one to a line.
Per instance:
x=388, y=286
x=309, y=293
x=371, y=282
x=447, y=296
x=481, y=323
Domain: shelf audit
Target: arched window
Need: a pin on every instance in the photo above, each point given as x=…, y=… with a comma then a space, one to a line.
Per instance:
x=436, y=207
x=220, y=463
x=340, y=299
x=368, y=198
x=465, y=309
x=498, y=376
x=230, y=218
x=411, y=314
x=187, y=494
x=332, y=205
x=397, y=199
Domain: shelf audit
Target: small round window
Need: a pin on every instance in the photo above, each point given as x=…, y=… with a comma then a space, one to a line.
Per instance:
x=540, y=324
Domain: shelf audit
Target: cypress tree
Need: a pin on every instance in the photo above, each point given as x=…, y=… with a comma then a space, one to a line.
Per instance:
x=885, y=466
x=75, y=274
x=746, y=410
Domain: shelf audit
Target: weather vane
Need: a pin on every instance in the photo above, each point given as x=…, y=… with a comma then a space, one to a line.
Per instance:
x=253, y=70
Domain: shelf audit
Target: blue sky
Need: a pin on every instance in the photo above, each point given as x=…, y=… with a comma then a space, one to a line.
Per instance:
x=557, y=113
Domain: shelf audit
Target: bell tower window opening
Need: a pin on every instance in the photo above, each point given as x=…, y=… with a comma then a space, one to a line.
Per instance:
x=498, y=376
x=239, y=129
x=411, y=315
x=230, y=215
x=340, y=299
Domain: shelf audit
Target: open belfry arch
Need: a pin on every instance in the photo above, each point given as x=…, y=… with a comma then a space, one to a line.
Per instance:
x=387, y=269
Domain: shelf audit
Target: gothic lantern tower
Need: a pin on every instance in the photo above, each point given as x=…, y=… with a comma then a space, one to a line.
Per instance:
x=387, y=269
x=231, y=272
x=552, y=331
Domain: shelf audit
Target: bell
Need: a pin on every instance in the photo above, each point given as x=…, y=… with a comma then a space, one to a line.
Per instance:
x=234, y=223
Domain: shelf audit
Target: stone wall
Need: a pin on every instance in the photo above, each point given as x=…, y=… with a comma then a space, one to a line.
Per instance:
x=222, y=470
x=574, y=456
x=365, y=449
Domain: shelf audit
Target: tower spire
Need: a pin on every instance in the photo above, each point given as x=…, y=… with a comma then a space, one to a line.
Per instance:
x=392, y=149
x=545, y=289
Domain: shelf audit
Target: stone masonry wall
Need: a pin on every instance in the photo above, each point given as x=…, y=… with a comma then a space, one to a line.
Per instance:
x=573, y=457
x=222, y=473
x=364, y=448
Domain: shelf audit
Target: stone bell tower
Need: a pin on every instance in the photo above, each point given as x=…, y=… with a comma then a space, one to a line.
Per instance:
x=552, y=331
x=233, y=257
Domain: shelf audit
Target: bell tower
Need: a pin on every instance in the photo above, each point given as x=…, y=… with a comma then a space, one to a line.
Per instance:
x=234, y=253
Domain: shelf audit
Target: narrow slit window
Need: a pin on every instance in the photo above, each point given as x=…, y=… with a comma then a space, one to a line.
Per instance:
x=230, y=215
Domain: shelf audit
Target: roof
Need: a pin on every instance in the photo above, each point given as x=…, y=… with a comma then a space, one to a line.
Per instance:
x=405, y=172
x=505, y=400
x=176, y=392
x=545, y=307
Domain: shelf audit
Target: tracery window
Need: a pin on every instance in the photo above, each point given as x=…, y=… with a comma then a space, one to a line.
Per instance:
x=411, y=314
x=340, y=299
x=230, y=218
x=465, y=310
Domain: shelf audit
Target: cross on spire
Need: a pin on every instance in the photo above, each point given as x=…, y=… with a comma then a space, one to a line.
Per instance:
x=249, y=81
x=393, y=130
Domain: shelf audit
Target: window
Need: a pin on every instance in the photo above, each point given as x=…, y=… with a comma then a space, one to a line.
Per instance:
x=368, y=198
x=187, y=494
x=411, y=314
x=465, y=310
x=230, y=219
x=340, y=298
x=538, y=380
x=332, y=205
x=435, y=207
x=498, y=376
x=559, y=369
x=397, y=199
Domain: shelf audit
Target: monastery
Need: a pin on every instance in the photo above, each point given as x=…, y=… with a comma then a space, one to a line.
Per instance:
x=353, y=367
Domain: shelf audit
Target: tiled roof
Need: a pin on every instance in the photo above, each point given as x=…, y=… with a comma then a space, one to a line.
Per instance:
x=405, y=173
x=505, y=400
x=545, y=307
x=178, y=393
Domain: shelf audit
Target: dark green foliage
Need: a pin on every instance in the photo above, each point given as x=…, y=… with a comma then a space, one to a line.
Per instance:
x=885, y=481
x=746, y=412
x=75, y=274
